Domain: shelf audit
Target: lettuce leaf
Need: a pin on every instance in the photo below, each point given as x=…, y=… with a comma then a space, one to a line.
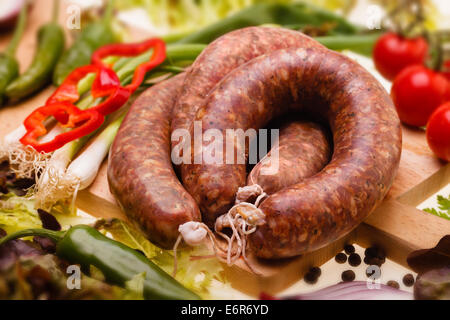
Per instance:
x=134, y=289
x=196, y=275
x=18, y=213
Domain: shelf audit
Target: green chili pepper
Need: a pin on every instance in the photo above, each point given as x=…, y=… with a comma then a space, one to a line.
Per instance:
x=94, y=36
x=272, y=13
x=38, y=75
x=86, y=246
x=9, y=68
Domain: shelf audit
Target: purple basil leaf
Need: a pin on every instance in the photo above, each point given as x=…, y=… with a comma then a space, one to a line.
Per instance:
x=48, y=220
x=433, y=285
x=46, y=244
x=23, y=183
x=3, y=186
x=19, y=192
x=12, y=250
x=425, y=260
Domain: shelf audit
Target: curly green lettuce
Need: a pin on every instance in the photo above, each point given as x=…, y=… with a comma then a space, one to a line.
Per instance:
x=194, y=273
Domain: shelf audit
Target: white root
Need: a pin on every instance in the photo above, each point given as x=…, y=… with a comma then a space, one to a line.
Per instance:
x=24, y=161
x=194, y=234
x=53, y=186
x=243, y=219
x=64, y=177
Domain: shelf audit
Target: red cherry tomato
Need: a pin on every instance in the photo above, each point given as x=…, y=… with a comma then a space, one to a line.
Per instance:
x=446, y=72
x=392, y=53
x=417, y=91
x=438, y=132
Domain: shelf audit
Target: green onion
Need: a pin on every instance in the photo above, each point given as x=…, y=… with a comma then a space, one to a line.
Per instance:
x=85, y=167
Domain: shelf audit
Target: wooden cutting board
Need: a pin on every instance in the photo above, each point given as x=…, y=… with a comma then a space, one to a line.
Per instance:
x=397, y=224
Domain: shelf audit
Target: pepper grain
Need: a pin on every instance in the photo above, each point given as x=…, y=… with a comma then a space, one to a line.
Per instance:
x=393, y=284
x=408, y=280
x=348, y=276
x=354, y=260
x=341, y=258
x=373, y=261
x=374, y=256
x=375, y=252
x=312, y=275
x=316, y=271
x=349, y=249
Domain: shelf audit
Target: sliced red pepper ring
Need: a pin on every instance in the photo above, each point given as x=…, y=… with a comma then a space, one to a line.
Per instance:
x=106, y=83
x=158, y=57
x=82, y=122
x=131, y=50
x=68, y=90
x=114, y=102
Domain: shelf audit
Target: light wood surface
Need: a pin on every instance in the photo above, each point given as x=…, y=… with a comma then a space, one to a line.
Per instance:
x=396, y=224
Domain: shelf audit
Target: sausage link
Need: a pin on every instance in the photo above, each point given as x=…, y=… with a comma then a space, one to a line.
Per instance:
x=140, y=172
x=302, y=151
x=367, y=146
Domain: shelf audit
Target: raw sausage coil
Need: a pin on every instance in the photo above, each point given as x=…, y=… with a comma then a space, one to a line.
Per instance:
x=367, y=147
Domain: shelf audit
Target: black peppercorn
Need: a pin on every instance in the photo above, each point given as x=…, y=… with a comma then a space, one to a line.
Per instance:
x=408, y=280
x=374, y=256
x=349, y=249
x=393, y=284
x=341, y=258
x=354, y=260
x=316, y=271
x=312, y=275
x=375, y=252
x=348, y=276
x=310, y=278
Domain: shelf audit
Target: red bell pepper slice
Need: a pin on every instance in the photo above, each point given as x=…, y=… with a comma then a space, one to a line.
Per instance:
x=68, y=90
x=82, y=122
x=131, y=50
x=106, y=83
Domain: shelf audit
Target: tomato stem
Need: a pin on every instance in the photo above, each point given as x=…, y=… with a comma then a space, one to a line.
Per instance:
x=400, y=15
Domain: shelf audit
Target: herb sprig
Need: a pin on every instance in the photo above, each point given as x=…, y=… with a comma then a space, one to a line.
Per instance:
x=444, y=207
